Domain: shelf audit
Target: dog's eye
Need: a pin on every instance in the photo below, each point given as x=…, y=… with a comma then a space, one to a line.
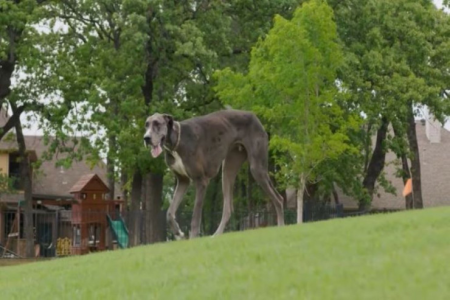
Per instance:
x=146, y=124
x=155, y=123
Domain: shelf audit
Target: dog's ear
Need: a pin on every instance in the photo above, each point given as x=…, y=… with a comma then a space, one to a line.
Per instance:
x=169, y=120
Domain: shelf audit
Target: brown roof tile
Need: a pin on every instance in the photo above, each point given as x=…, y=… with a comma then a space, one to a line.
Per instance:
x=52, y=180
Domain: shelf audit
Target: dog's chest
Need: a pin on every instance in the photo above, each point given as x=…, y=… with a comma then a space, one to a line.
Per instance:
x=177, y=164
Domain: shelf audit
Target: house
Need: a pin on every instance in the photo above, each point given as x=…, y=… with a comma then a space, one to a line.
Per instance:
x=51, y=190
x=434, y=146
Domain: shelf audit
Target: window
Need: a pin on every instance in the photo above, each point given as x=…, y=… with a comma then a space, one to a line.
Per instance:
x=76, y=235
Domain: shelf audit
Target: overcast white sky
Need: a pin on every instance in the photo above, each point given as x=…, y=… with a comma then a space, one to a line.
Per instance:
x=438, y=3
x=33, y=130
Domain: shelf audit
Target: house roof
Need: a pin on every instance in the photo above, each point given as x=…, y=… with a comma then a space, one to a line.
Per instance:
x=9, y=144
x=84, y=181
x=50, y=179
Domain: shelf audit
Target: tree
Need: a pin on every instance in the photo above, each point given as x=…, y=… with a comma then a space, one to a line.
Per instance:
x=291, y=85
x=122, y=60
x=394, y=63
x=19, y=55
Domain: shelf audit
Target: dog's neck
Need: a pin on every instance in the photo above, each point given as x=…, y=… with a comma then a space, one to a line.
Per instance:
x=174, y=137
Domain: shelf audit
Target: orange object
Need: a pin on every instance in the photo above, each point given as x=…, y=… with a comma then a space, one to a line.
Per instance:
x=408, y=188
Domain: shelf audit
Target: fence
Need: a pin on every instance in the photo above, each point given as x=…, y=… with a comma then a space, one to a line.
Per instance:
x=63, y=233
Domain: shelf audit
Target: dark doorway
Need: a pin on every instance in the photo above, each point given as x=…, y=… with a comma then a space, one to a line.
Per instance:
x=44, y=237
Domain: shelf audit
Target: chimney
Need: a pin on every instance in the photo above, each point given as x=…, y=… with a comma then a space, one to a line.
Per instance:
x=433, y=129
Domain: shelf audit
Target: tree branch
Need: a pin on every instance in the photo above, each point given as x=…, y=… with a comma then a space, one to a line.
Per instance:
x=17, y=112
x=76, y=15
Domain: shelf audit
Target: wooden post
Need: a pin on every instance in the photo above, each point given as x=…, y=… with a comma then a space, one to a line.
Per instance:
x=18, y=227
x=2, y=222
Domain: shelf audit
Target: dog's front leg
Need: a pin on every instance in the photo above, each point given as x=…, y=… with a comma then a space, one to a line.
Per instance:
x=180, y=191
x=200, y=186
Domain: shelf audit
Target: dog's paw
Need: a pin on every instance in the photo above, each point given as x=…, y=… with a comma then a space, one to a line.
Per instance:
x=179, y=236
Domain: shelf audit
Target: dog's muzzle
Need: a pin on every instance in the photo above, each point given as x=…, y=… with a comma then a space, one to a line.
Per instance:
x=147, y=140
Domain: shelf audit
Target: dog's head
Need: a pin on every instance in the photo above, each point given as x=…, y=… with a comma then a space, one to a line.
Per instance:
x=157, y=130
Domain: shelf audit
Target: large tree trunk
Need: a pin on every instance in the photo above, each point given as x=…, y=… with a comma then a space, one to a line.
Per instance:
x=376, y=163
x=27, y=187
x=134, y=216
x=367, y=146
x=123, y=180
x=405, y=168
x=335, y=195
x=155, y=179
x=415, y=161
x=111, y=166
x=300, y=195
x=6, y=70
x=154, y=219
x=405, y=176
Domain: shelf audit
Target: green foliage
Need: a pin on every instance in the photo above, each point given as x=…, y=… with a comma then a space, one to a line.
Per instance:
x=309, y=79
x=122, y=60
x=22, y=82
x=395, y=61
x=291, y=85
x=119, y=61
x=7, y=184
x=18, y=52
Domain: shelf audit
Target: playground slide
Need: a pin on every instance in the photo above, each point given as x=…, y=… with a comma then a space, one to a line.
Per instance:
x=119, y=230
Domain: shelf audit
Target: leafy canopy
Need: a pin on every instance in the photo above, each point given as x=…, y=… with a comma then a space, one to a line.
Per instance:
x=291, y=85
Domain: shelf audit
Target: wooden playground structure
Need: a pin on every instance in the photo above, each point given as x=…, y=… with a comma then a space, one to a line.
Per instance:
x=93, y=223
x=13, y=241
x=91, y=215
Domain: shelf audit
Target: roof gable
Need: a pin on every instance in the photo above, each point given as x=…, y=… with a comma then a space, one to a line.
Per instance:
x=89, y=182
x=51, y=179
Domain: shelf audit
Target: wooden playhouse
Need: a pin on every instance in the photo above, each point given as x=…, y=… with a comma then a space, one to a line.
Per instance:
x=93, y=215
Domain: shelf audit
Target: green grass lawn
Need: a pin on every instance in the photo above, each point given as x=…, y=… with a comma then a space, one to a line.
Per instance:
x=397, y=256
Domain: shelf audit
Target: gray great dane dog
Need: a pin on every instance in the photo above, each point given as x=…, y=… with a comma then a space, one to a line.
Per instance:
x=196, y=148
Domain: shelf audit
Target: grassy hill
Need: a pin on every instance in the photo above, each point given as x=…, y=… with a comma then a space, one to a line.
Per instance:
x=397, y=256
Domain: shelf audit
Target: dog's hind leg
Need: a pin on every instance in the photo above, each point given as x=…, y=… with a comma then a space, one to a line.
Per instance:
x=258, y=159
x=261, y=176
x=230, y=168
x=180, y=191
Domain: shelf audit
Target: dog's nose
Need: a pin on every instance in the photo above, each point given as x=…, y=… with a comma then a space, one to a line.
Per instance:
x=147, y=139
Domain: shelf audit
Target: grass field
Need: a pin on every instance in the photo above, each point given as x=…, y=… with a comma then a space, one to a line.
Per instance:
x=14, y=262
x=397, y=256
